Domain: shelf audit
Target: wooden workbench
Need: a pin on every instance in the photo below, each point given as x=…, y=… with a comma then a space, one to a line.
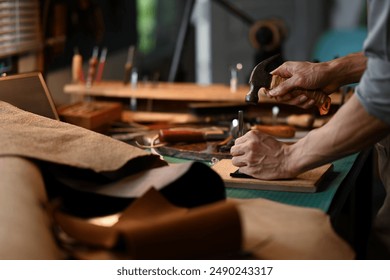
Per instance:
x=160, y=91
x=175, y=101
x=168, y=91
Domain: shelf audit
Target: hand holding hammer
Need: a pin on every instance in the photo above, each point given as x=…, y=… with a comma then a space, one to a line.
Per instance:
x=261, y=77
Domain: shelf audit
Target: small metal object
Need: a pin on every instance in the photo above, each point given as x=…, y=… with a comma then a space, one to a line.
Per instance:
x=275, y=113
x=240, y=123
x=129, y=64
x=93, y=62
x=234, y=77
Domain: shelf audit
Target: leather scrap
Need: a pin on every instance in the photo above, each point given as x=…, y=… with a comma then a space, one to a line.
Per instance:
x=153, y=228
x=32, y=136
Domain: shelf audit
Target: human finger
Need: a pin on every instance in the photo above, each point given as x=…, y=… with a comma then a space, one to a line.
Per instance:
x=238, y=161
x=236, y=150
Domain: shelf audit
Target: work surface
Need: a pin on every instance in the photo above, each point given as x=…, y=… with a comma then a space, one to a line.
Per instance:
x=161, y=91
x=321, y=199
x=168, y=91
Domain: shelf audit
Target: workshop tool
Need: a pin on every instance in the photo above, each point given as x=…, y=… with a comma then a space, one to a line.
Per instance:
x=240, y=123
x=280, y=131
x=234, y=77
x=77, y=67
x=93, y=62
x=298, y=120
x=261, y=77
x=190, y=135
x=129, y=64
x=102, y=62
x=237, y=129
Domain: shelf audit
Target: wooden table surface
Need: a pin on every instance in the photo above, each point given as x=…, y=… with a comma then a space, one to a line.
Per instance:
x=168, y=91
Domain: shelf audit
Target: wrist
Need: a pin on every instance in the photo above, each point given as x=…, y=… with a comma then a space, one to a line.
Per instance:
x=292, y=160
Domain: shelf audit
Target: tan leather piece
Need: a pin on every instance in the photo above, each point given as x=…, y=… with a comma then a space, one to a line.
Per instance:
x=25, y=231
x=153, y=228
x=272, y=230
x=33, y=136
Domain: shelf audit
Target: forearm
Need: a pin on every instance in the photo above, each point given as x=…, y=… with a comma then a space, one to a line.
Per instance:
x=341, y=136
x=347, y=69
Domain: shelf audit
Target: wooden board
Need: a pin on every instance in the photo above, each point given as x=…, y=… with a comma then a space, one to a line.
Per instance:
x=306, y=182
x=170, y=91
x=94, y=115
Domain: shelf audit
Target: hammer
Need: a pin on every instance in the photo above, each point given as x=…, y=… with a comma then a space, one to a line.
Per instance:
x=261, y=77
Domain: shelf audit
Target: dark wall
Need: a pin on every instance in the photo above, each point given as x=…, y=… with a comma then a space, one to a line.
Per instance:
x=85, y=24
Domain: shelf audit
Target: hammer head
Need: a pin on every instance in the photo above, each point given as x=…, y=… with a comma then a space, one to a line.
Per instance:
x=260, y=77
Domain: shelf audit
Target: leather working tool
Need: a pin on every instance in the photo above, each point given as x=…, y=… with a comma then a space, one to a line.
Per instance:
x=298, y=120
x=281, y=131
x=129, y=64
x=261, y=77
x=93, y=62
x=191, y=135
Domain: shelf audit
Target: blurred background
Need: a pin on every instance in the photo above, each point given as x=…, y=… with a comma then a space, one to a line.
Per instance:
x=175, y=40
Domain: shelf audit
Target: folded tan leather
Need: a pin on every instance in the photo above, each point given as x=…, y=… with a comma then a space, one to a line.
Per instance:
x=29, y=135
x=25, y=226
x=273, y=230
x=153, y=228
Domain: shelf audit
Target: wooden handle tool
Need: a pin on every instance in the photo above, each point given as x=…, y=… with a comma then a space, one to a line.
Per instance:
x=190, y=135
x=281, y=131
x=302, y=120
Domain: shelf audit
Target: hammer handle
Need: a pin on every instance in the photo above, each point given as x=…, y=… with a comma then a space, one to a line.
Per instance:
x=322, y=101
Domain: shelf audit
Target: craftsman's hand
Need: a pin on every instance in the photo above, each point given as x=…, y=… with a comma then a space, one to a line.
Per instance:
x=301, y=76
x=324, y=76
x=261, y=156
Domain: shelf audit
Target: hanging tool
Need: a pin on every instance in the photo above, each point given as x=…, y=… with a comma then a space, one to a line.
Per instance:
x=261, y=77
x=102, y=62
x=129, y=64
x=298, y=120
x=93, y=62
x=191, y=135
x=240, y=123
x=77, y=67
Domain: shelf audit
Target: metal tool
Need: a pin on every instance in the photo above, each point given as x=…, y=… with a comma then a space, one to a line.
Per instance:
x=192, y=135
x=240, y=123
x=129, y=64
x=298, y=120
x=237, y=129
x=261, y=77
x=234, y=77
x=93, y=62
